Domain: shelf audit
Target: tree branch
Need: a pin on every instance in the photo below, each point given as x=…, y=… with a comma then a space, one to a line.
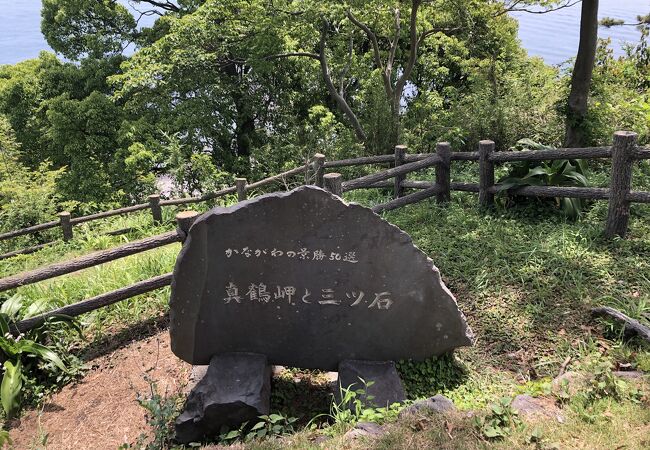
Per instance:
x=375, y=50
x=346, y=69
x=393, y=45
x=413, y=54
x=166, y=5
x=512, y=7
x=340, y=101
x=291, y=54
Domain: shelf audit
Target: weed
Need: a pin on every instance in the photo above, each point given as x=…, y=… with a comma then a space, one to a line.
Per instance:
x=272, y=425
x=161, y=412
x=500, y=421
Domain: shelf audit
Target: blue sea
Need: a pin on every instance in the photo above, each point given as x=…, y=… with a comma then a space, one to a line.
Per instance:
x=552, y=36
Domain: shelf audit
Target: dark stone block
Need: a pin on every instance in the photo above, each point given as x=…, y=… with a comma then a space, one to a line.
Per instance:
x=236, y=388
x=386, y=388
x=309, y=281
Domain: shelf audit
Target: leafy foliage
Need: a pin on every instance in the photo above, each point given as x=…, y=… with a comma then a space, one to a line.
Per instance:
x=161, y=412
x=434, y=375
x=23, y=356
x=560, y=172
x=271, y=425
x=500, y=421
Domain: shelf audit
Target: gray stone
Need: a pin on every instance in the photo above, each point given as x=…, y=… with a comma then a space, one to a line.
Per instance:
x=309, y=281
x=525, y=404
x=569, y=383
x=528, y=406
x=438, y=403
x=386, y=387
x=236, y=388
x=365, y=429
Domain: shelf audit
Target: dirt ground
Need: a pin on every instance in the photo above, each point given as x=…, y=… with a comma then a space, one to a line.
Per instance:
x=101, y=411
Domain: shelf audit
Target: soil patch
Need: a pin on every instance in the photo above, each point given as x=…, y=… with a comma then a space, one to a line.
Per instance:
x=101, y=410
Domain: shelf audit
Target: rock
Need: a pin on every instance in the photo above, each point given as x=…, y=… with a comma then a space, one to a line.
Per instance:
x=309, y=281
x=528, y=406
x=196, y=374
x=438, y=403
x=236, y=388
x=569, y=383
x=386, y=387
x=629, y=374
x=364, y=429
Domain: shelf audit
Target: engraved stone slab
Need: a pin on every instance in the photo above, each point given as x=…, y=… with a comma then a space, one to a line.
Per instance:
x=309, y=281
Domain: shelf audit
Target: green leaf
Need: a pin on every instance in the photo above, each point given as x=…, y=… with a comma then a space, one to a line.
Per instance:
x=492, y=432
x=12, y=306
x=64, y=320
x=4, y=324
x=12, y=383
x=41, y=351
x=257, y=426
x=232, y=435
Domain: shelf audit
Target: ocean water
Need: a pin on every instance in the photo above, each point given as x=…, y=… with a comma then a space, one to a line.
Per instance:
x=552, y=36
x=555, y=36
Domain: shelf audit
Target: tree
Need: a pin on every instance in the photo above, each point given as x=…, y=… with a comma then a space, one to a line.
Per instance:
x=581, y=77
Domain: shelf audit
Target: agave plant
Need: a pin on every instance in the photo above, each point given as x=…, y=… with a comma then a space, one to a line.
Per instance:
x=561, y=172
x=18, y=351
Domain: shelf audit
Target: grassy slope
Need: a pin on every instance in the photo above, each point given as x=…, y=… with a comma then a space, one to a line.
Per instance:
x=524, y=277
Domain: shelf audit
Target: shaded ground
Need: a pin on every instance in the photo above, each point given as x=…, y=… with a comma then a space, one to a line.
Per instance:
x=101, y=410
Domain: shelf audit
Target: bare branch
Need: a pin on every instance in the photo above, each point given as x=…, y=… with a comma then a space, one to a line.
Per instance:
x=346, y=69
x=512, y=7
x=393, y=44
x=291, y=54
x=413, y=54
x=340, y=101
x=166, y=5
x=375, y=50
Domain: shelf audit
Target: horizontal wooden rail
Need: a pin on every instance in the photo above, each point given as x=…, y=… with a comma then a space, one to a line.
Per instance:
x=536, y=191
x=113, y=212
x=202, y=198
x=97, y=302
x=360, y=161
x=638, y=197
x=277, y=177
x=643, y=153
x=89, y=260
x=390, y=173
x=25, y=251
x=556, y=191
x=552, y=154
x=465, y=187
x=28, y=230
x=408, y=199
x=454, y=156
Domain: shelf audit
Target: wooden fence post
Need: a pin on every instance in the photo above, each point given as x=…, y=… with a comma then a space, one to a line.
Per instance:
x=240, y=184
x=618, y=215
x=333, y=183
x=184, y=221
x=486, y=173
x=400, y=152
x=66, y=226
x=156, y=210
x=443, y=172
x=319, y=169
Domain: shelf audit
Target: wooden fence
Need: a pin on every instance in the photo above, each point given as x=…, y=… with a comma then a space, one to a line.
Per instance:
x=624, y=153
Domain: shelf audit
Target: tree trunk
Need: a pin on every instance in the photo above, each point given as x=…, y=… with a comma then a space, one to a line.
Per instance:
x=581, y=78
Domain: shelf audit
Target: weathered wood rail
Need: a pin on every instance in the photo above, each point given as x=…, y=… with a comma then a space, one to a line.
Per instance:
x=155, y=204
x=624, y=152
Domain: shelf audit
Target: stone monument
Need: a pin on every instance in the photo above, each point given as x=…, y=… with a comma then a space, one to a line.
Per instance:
x=301, y=279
